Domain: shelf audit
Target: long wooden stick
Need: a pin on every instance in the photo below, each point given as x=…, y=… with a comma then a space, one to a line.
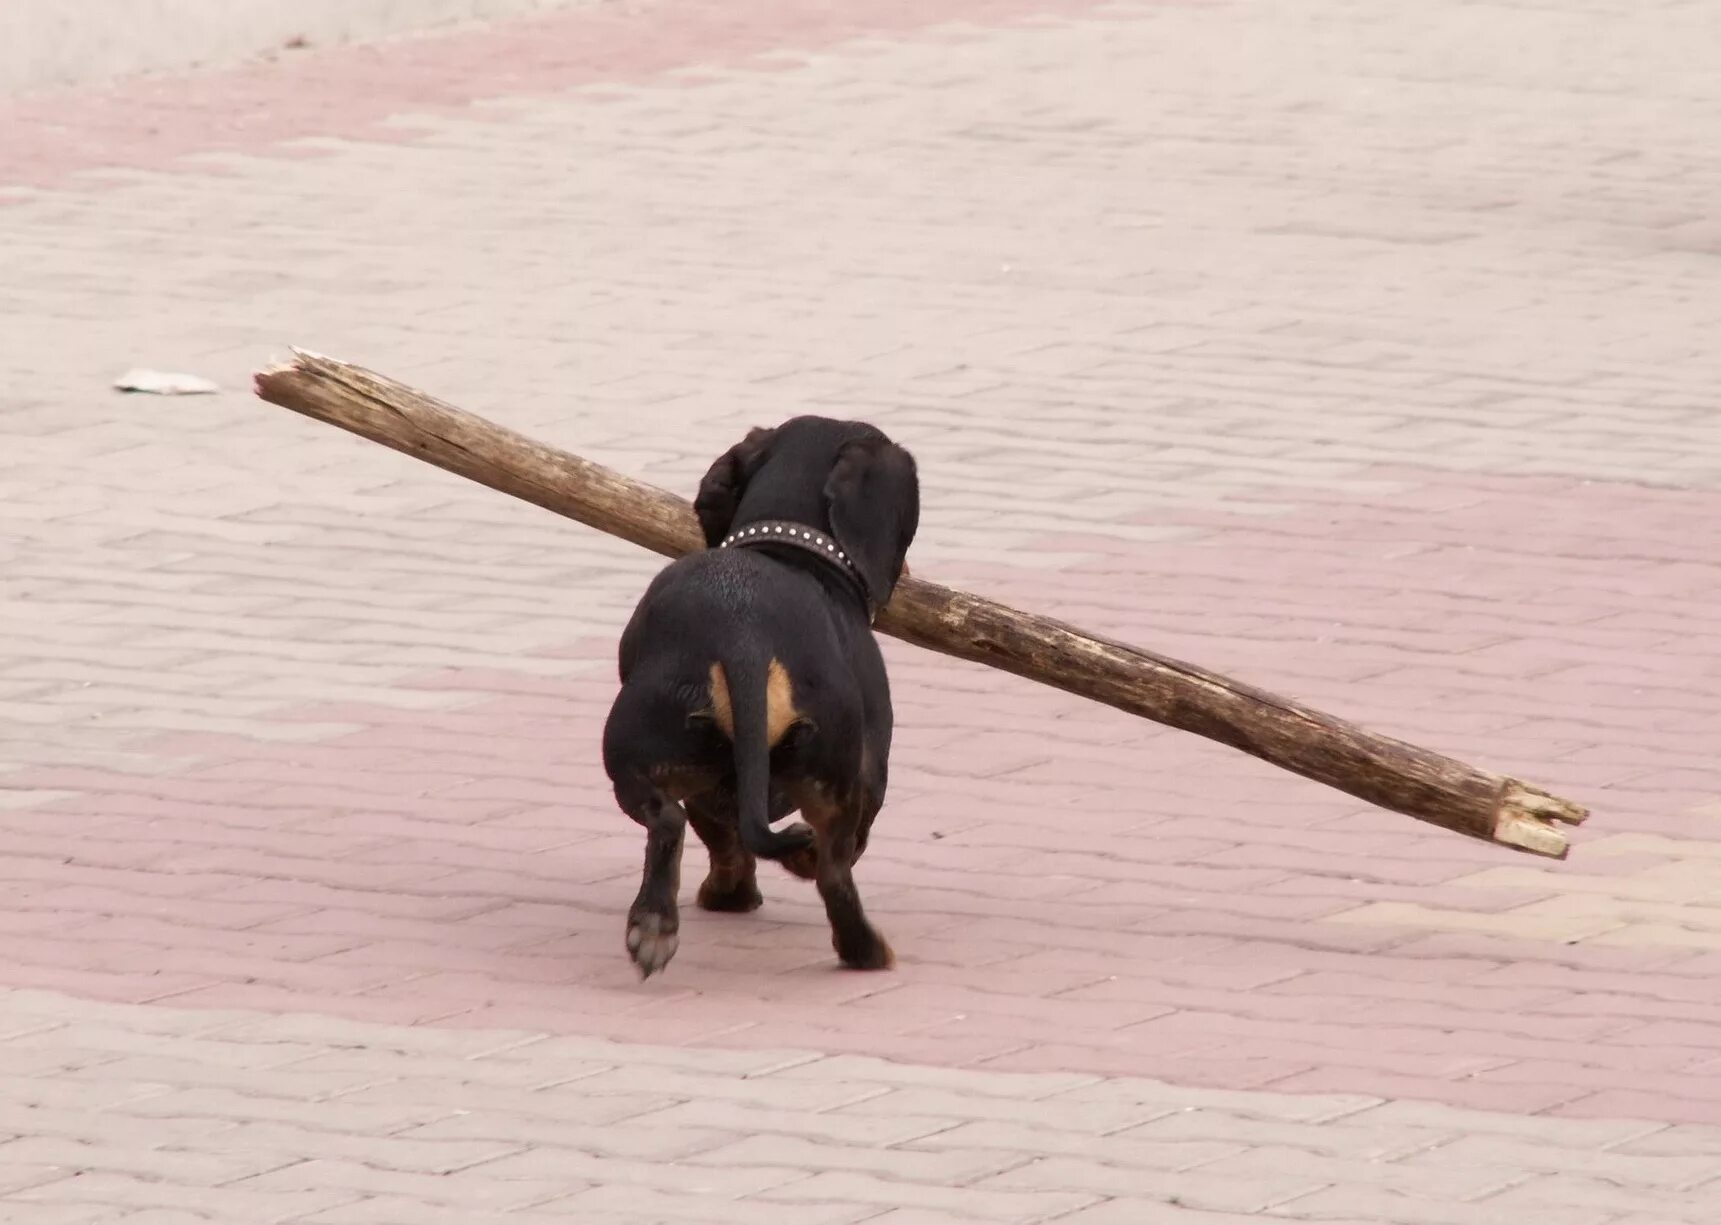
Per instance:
x=1383, y=771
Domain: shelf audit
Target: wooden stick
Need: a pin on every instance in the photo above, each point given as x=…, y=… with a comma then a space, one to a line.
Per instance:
x=1385, y=772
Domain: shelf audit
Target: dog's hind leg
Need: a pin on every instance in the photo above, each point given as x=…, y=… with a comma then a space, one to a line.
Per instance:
x=837, y=821
x=654, y=920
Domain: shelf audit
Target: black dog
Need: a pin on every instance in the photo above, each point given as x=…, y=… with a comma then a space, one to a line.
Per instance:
x=752, y=685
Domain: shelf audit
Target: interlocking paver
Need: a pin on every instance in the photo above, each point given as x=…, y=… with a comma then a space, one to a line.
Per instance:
x=1229, y=1191
x=455, y=1150
x=107, y=1195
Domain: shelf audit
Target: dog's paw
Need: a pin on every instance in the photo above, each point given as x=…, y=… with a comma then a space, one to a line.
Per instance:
x=803, y=859
x=651, y=942
x=732, y=897
x=866, y=953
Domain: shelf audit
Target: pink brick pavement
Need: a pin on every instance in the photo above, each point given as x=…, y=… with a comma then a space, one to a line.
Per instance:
x=1064, y=890
x=144, y=123
x=301, y=732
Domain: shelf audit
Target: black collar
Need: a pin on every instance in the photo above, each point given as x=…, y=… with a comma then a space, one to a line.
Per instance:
x=808, y=540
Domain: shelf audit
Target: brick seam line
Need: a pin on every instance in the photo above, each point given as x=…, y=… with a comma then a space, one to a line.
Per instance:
x=48, y=141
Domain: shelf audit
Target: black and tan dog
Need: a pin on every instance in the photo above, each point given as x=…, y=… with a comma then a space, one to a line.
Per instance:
x=752, y=685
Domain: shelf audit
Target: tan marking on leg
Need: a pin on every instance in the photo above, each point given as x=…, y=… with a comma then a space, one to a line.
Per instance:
x=780, y=711
x=679, y=781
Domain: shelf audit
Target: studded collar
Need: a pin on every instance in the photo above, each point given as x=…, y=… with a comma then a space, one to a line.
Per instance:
x=799, y=536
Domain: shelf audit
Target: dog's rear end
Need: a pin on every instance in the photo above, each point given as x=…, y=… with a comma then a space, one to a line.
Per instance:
x=752, y=685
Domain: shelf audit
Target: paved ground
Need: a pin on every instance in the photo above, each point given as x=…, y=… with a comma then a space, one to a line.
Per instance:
x=1361, y=350
x=49, y=45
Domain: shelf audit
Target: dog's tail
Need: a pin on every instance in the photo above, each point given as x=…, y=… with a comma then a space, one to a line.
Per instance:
x=747, y=676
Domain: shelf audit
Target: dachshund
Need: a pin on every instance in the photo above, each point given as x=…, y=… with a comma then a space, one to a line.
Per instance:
x=752, y=686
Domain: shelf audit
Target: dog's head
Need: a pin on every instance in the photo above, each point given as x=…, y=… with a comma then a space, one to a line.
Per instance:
x=845, y=477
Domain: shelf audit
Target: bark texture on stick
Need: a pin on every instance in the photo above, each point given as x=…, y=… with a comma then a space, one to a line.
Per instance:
x=1385, y=772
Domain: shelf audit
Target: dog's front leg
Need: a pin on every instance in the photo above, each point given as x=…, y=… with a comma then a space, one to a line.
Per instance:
x=654, y=921
x=733, y=882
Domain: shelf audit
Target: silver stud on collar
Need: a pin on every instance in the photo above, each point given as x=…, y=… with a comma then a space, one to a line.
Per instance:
x=791, y=533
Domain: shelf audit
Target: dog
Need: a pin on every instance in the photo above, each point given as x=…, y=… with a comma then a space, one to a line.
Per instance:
x=752, y=685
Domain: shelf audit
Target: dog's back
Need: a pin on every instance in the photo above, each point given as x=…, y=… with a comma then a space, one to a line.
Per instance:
x=713, y=627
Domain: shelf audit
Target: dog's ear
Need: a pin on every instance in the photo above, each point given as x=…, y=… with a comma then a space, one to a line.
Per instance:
x=873, y=499
x=726, y=480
